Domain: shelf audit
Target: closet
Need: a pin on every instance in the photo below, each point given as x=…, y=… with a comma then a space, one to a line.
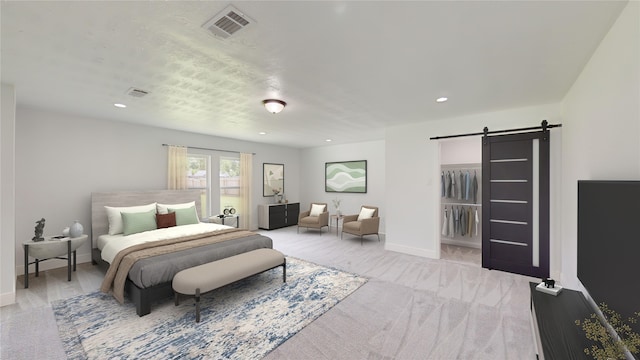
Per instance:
x=514, y=170
x=461, y=192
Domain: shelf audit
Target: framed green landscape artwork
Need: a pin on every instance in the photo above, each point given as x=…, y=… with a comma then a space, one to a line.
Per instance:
x=346, y=176
x=273, y=179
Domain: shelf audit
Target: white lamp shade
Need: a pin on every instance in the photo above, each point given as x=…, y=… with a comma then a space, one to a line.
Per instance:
x=274, y=106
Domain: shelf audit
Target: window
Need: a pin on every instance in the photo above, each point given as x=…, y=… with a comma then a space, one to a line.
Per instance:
x=198, y=178
x=229, y=183
x=219, y=192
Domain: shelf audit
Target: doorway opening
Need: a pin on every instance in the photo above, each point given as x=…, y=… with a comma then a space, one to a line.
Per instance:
x=461, y=200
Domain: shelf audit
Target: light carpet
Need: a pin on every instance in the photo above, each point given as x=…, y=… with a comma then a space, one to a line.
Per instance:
x=244, y=320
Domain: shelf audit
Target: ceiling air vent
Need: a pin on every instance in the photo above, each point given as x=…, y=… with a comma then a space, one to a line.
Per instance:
x=137, y=92
x=227, y=22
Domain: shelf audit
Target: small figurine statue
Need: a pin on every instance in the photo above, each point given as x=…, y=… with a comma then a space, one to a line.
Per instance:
x=39, y=230
x=549, y=283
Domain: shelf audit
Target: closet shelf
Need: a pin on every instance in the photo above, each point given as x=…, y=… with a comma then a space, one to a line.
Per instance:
x=461, y=204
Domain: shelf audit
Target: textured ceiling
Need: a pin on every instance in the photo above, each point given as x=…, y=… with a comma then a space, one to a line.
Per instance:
x=346, y=69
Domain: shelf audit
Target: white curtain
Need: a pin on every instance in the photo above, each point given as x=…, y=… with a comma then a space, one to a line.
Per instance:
x=177, y=168
x=246, y=194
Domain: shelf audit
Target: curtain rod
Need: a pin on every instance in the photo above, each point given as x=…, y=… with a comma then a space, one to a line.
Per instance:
x=486, y=131
x=201, y=148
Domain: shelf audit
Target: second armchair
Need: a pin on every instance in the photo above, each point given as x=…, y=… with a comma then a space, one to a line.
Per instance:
x=365, y=223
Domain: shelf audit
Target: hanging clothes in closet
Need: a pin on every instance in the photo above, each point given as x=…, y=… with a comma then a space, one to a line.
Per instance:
x=470, y=222
x=453, y=185
x=477, y=221
x=456, y=220
x=445, y=222
x=462, y=188
x=451, y=226
x=474, y=186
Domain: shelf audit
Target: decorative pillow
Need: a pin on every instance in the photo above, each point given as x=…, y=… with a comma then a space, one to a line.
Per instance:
x=138, y=222
x=316, y=209
x=166, y=220
x=366, y=213
x=185, y=216
x=164, y=208
x=115, y=219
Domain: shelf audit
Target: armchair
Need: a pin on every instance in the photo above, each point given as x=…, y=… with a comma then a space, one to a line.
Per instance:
x=365, y=223
x=316, y=217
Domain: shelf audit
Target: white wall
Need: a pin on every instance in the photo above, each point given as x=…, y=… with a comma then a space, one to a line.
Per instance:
x=601, y=137
x=61, y=159
x=7, y=195
x=466, y=150
x=313, y=173
x=413, y=175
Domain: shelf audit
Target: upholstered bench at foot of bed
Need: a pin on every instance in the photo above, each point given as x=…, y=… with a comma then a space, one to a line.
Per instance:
x=207, y=277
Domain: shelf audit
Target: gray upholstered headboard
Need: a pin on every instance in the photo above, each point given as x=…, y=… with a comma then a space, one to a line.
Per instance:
x=99, y=221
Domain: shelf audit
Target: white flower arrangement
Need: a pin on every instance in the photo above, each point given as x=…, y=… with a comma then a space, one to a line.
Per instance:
x=336, y=203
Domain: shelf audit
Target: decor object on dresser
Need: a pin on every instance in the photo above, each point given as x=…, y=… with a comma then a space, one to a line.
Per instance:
x=346, y=176
x=274, y=216
x=316, y=217
x=76, y=229
x=94, y=326
x=143, y=263
x=365, y=223
x=38, y=231
x=273, y=179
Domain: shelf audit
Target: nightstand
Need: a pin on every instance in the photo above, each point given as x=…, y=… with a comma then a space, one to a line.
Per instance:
x=221, y=220
x=51, y=248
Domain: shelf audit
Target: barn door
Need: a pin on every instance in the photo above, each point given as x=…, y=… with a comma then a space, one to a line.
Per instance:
x=515, y=203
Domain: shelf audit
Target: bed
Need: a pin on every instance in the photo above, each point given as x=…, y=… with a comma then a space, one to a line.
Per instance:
x=145, y=269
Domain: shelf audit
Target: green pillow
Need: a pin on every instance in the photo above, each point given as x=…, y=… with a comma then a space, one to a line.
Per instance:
x=185, y=216
x=138, y=222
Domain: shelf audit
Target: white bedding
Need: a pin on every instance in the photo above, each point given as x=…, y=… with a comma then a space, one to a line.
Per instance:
x=114, y=243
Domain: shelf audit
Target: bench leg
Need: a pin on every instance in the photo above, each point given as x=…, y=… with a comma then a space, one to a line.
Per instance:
x=177, y=298
x=284, y=271
x=197, y=304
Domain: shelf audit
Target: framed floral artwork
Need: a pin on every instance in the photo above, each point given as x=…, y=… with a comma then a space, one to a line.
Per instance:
x=273, y=179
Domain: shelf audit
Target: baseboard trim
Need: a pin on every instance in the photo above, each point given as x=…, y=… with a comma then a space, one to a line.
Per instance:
x=52, y=264
x=431, y=254
x=8, y=298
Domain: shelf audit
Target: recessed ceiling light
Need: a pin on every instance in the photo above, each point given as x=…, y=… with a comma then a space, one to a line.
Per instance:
x=442, y=99
x=328, y=140
x=118, y=105
x=262, y=133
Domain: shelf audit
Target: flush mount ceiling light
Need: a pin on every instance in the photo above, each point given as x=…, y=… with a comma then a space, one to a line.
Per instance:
x=442, y=99
x=274, y=106
x=118, y=105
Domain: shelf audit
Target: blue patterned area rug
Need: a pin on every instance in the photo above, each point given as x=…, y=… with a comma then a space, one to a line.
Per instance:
x=244, y=320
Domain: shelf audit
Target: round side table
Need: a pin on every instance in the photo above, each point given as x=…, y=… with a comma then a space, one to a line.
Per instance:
x=51, y=248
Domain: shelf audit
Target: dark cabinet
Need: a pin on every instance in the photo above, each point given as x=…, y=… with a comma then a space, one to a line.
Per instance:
x=276, y=216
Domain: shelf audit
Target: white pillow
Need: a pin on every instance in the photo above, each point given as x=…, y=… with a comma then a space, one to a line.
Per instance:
x=366, y=213
x=116, y=226
x=316, y=209
x=163, y=208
